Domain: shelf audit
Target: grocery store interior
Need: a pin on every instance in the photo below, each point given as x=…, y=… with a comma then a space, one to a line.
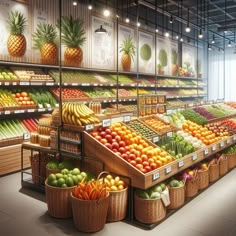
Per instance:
x=117, y=117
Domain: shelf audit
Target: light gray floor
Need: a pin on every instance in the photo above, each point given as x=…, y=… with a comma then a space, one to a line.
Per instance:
x=213, y=213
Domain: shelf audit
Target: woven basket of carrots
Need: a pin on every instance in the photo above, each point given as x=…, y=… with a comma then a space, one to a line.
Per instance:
x=90, y=205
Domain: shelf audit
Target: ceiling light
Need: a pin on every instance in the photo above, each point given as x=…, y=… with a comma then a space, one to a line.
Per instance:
x=188, y=29
x=225, y=31
x=74, y=3
x=127, y=20
x=157, y=30
x=177, y=37
x=181, y=39
x=229, y=44
x=100, y=30
x=171, y=19
x=167, y=34
x=209, y=47
x=138, y=24
x=213, y=39
x=90, y=7
x=200, y=34
x=106, y=12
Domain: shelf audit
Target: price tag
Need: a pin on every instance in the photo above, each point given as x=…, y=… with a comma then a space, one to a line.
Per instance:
x=40, y=105
x=126, y=118
x=26, y=136
x=36, y=83
x=24, y=83
x=49, y=109
x=155, y=139
x=18, y=111
x=31, y=110
x=7, y=112
x=169, y=134
x=89, y=127
x=194, y=157
x=222, y=144
x=156, y=176
x=213, y=147
x=206, y=151
x=0, y=83
x=106, y=122
x=48, y=105
x=65, y=84
x=228, y=141
x=14, y=83
x=181, y=163
x=74, y=84
x=6, y=83
x=168, y=170
x=41, y=109
x=234, y=138
x=49, y=84
x=104, y=100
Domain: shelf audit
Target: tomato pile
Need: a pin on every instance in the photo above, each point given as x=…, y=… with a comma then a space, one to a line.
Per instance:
x=70, y=93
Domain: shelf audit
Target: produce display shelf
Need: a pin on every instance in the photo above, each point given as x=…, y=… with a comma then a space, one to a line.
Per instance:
x=116, y=164
x=21, y=111
x=37, y=147
x=27, y=83
x=178, y=77
x=186, y=96
x=222, y=118
x=177, y=86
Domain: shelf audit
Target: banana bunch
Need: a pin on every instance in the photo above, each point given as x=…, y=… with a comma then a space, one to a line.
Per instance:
x=78, y=114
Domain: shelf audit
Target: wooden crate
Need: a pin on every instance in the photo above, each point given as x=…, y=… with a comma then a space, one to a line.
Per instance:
x=10, y=159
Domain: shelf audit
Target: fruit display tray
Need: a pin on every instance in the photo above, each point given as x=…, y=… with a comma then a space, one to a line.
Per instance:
x=116, y=164
x=11, y=141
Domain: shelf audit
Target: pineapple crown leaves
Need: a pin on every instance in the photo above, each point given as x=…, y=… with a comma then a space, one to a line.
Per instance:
x=16, y=23
x=127, y=46
x=45, y=33
x=174, y=56
x=72, y=32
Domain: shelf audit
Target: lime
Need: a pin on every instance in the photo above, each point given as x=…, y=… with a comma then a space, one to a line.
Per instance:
x=54, y=183
x=83, y=174
x=75, y=179
x=59, y=175
x=75, y=171
x=65, y=171
x=51, y=178
x=61, y=181
x=64, y=186
x=80, y=177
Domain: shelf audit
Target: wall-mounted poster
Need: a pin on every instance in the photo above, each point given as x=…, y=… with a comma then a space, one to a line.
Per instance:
x=200, y=63
x=6, y=7
x=127, y=49
x=189, y=58
x=164, y=61
x=146, y=53
x=174, y=62
x=103, y=51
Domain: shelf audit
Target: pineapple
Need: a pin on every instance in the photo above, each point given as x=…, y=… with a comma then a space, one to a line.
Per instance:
x=128, y=49
x=174, y=62
x=44, y=40
x=73, y=38
x=16, y=43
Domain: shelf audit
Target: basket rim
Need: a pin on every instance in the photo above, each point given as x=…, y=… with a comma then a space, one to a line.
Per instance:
x=46, y=184
x=97, y=200
x=147, y=199
x=118, y=191
x=176, y=187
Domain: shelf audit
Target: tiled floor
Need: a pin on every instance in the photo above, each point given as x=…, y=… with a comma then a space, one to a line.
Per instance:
x=213, y=213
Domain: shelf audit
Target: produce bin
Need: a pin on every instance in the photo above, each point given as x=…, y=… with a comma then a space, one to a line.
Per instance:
x=177, y=197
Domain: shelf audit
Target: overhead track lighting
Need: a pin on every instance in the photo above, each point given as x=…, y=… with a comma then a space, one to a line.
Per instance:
x=209, y=47
x=177, y=37
x=157, y=30
x=167, y=34
x=101, y=30
x=229, y=44
x=188, y=29
x=200, y=34
x=213, y=39
x=181, y=39
x=90, y=6
x=74, y=3
x=171, y=19
x=106, y=12
x=127, y=14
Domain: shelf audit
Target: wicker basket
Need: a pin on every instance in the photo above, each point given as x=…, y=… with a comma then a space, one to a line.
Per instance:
x=89, y=215
x=117, y=205
x=223, y=166
x=203, y=179
x=231, y=160
x=191, y=187
x=214, y=172
x=149, y=211
x=177, y=197
x=58, y=201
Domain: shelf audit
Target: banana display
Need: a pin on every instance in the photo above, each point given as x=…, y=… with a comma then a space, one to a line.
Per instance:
x=78, y=114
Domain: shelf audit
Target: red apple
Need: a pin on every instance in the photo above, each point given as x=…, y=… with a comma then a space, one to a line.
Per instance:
x=113, y=134
x=138, y=160
x=115, y=145
x=153, y=166
x=114, y=150
x=139, y=166
x=144, y=157
x=118, y=153
x=147, y=168
x=118, y=138
x=133, y=162
x=108, y=130
x=103, y=134
x=103, y=141
x=94, y=134
x=125, y=156
x=108, y=137
x=98, y=137
x=144, y=171
x=122, y=149
x=132, y=156
x=108, y=145
x=122, y=143
x=145, y=163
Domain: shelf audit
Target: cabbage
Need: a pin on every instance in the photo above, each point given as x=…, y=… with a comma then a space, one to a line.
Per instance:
x=155, y=195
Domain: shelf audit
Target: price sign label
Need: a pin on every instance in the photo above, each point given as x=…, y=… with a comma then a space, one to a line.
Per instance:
x=89, y=127
x=7, y=112
x=126, y=118
x=36, y=83
x=14, y=83
x=49, y=109
x=48, y=105
x=155, y=139
x=234, y=138
x=228, y=141
x=18, y=111
x=41, y=109
x=169, y=134
x=194, y=157
x=168, y=170
x=222, y=144
x=0, y=83
x=74, y=84
x=31, y=110
x=213, y=147
x=106, y=122
x=206, y=151
x=65, y=84
x=181, y=163
x=40, y=105
x=49, y=84
x=156, y=176
x=26, y=136
x=6, y=83
x=24, y=83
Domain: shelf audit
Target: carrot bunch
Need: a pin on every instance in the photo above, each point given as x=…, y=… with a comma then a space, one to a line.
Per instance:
x=92, y=190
